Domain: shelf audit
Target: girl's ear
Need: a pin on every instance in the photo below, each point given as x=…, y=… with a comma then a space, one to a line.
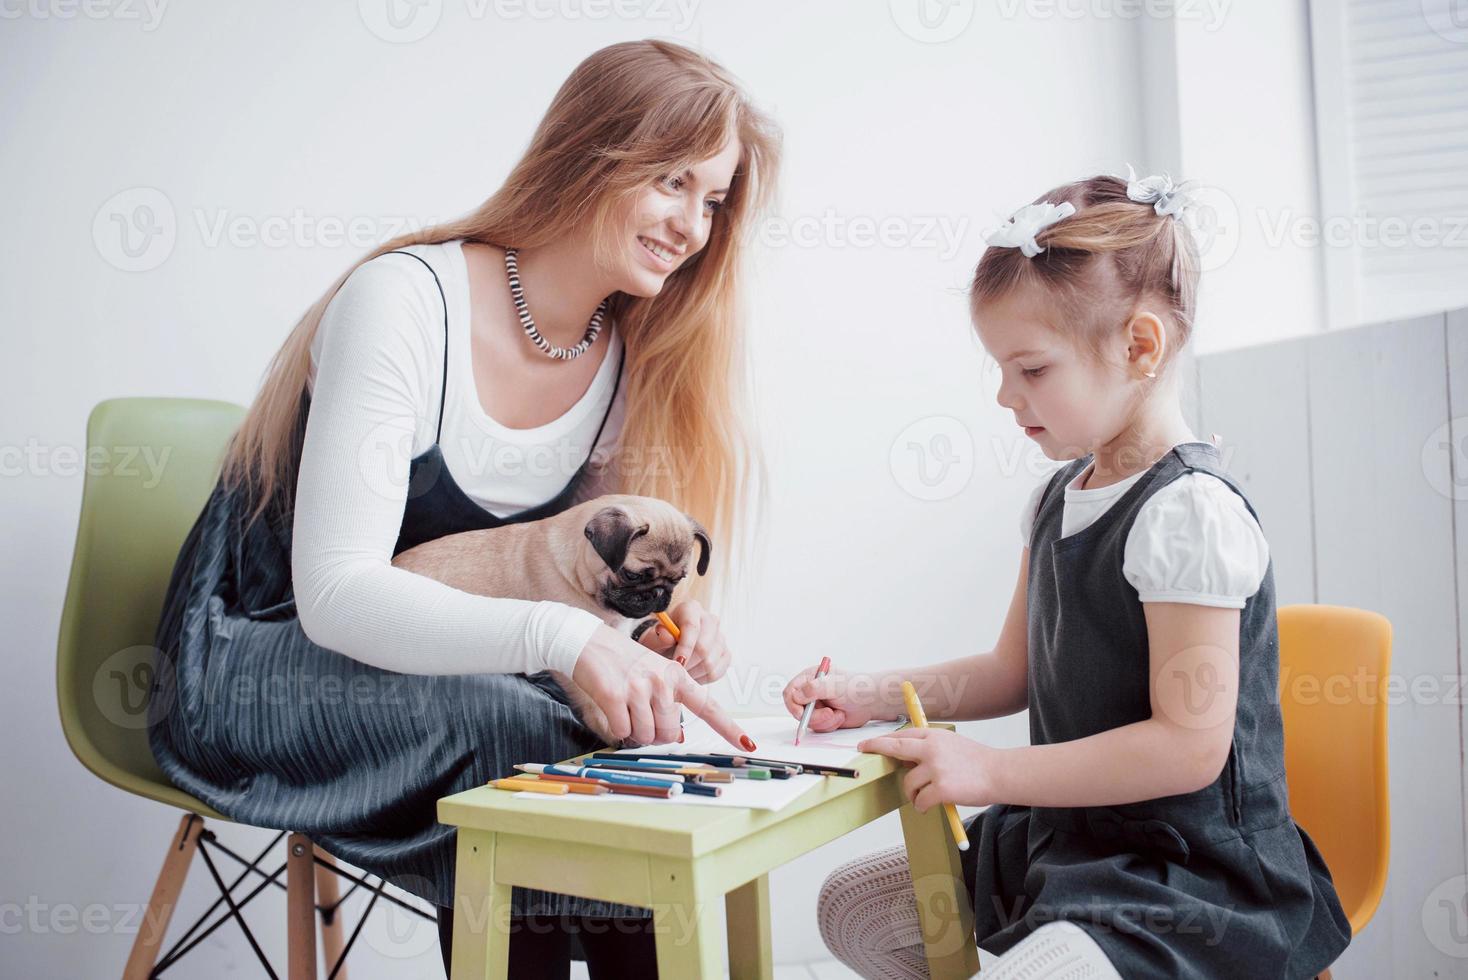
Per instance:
x=1146, y=337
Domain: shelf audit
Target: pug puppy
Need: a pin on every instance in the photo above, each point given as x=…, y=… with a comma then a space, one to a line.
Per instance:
x=620, y=557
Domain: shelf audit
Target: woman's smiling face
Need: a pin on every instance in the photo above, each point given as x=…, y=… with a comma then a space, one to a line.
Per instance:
x=1066, y=401
x=667, y=223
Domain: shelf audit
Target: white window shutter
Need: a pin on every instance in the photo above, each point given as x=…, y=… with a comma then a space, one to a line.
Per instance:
x=1391, y=110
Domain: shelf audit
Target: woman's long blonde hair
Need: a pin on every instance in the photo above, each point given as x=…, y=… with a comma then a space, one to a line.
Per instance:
x=627, y=115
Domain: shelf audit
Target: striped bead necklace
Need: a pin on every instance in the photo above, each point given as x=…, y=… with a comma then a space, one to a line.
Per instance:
x=517, y=292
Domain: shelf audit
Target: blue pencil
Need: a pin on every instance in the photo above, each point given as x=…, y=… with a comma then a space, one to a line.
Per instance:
x=611, y=777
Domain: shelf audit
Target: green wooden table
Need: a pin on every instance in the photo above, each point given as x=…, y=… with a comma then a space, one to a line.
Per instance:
x=681, y=860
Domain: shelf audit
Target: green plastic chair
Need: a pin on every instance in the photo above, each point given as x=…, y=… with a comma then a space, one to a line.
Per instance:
x=133, y=523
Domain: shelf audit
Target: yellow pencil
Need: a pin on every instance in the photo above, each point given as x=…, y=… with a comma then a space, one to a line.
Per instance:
x=920, y=720
x=529, y=785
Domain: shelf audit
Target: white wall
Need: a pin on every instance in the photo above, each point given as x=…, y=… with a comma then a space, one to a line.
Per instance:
x=874, y=393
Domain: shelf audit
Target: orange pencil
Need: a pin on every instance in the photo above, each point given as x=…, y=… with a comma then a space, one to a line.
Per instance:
x=672, y=628
x=530, y=785
x=591, y=787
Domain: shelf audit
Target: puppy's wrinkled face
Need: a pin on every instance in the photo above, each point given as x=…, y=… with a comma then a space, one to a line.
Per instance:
x=646, y=549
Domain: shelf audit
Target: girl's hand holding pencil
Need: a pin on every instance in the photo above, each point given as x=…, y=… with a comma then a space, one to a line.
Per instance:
x=842, y=700
x=947, y=767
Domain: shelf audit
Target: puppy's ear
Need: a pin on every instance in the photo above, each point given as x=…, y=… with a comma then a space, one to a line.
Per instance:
x=704, y=545
x=610, y=531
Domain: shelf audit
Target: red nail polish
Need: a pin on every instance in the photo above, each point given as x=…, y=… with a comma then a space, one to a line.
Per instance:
x=747, y=742
x=680, y=661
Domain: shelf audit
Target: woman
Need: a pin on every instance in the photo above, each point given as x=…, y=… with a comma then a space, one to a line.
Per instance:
x=585, y=313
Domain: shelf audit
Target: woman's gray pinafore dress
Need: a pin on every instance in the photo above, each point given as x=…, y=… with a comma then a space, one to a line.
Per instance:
x=1220, y=882
x=272, y=730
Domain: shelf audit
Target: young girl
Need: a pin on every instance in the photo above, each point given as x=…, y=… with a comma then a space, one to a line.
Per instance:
x=1146, y=830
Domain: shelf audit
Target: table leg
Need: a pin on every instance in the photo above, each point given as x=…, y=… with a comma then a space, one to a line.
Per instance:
x=747, y=912
x=944, y=912
x=684, y=920
x=481, y=911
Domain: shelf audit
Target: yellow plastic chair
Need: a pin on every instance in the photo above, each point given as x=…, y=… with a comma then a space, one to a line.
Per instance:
x=136, y=511
x=1332, y=679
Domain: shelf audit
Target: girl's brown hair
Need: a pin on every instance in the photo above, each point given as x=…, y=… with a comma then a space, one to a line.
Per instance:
x=1100, y=264
x=628, y=114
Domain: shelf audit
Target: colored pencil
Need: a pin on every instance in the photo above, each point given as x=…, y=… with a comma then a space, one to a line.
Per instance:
x=529, y=786
x=661, y=793
x=611, y=777
x=920, y=720
x=821, y=671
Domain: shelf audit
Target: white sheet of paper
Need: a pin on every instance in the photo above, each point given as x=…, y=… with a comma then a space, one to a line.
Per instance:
x=774, y=736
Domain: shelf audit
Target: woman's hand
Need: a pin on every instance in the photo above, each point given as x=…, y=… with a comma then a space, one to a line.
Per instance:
x=700, y=645
x=845, y=700
x=948, y=767
x=639, y=692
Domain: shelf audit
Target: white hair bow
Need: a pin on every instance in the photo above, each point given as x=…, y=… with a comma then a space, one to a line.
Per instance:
x=1159, y=191
x=1021, y=228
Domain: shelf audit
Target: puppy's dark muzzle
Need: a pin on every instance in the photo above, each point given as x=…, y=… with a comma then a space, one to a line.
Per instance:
x=634, y=603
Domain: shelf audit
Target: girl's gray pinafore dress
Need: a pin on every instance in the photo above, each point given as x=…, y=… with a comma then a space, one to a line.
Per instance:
x=1220, y=882
x=270, y=729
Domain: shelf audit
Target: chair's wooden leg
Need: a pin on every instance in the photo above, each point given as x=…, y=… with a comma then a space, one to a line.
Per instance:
x=300, y=907
x=328, y=892
x=747, y=916
x=683, y=919
x=165, y=897
x=481, y=911
x=944, y=912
